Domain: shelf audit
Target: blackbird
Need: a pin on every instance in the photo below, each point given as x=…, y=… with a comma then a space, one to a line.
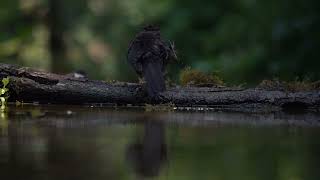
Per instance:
x=149, y=54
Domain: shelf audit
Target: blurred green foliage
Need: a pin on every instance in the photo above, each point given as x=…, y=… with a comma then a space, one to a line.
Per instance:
x=4, y=95
x=245, y=40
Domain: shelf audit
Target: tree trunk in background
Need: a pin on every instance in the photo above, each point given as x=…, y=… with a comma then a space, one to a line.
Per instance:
x=57, y=48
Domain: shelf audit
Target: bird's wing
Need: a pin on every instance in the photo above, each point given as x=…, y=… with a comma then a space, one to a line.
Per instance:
x=134, y=55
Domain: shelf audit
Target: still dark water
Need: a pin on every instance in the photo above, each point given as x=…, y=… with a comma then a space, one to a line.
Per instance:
x=84, y=143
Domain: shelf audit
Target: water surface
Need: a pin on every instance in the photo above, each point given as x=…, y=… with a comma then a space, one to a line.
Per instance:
x=55, y=142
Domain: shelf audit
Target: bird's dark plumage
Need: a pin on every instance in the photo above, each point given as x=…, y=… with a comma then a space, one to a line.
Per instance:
x=149, y=54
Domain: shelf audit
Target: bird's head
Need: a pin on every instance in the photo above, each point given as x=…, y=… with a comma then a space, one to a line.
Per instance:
x=151, y=28
x=151, y=32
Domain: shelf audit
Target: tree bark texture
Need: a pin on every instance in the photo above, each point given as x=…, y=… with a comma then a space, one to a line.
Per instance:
x=29, y=85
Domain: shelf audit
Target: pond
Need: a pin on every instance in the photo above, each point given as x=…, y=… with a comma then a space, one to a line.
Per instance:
x=99, y=143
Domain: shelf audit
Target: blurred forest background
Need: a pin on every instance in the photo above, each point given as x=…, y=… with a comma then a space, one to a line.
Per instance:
x=243, y=40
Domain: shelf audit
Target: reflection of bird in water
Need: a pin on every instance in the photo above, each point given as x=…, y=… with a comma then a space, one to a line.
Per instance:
x=148, y=54
x=147, y=157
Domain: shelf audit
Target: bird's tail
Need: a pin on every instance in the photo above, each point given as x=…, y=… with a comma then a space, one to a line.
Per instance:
x=154, y=78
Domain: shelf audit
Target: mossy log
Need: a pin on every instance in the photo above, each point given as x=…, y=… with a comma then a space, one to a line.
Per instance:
x=29, y=85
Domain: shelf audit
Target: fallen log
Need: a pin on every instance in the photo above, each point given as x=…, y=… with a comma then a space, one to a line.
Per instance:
x=30, y=85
